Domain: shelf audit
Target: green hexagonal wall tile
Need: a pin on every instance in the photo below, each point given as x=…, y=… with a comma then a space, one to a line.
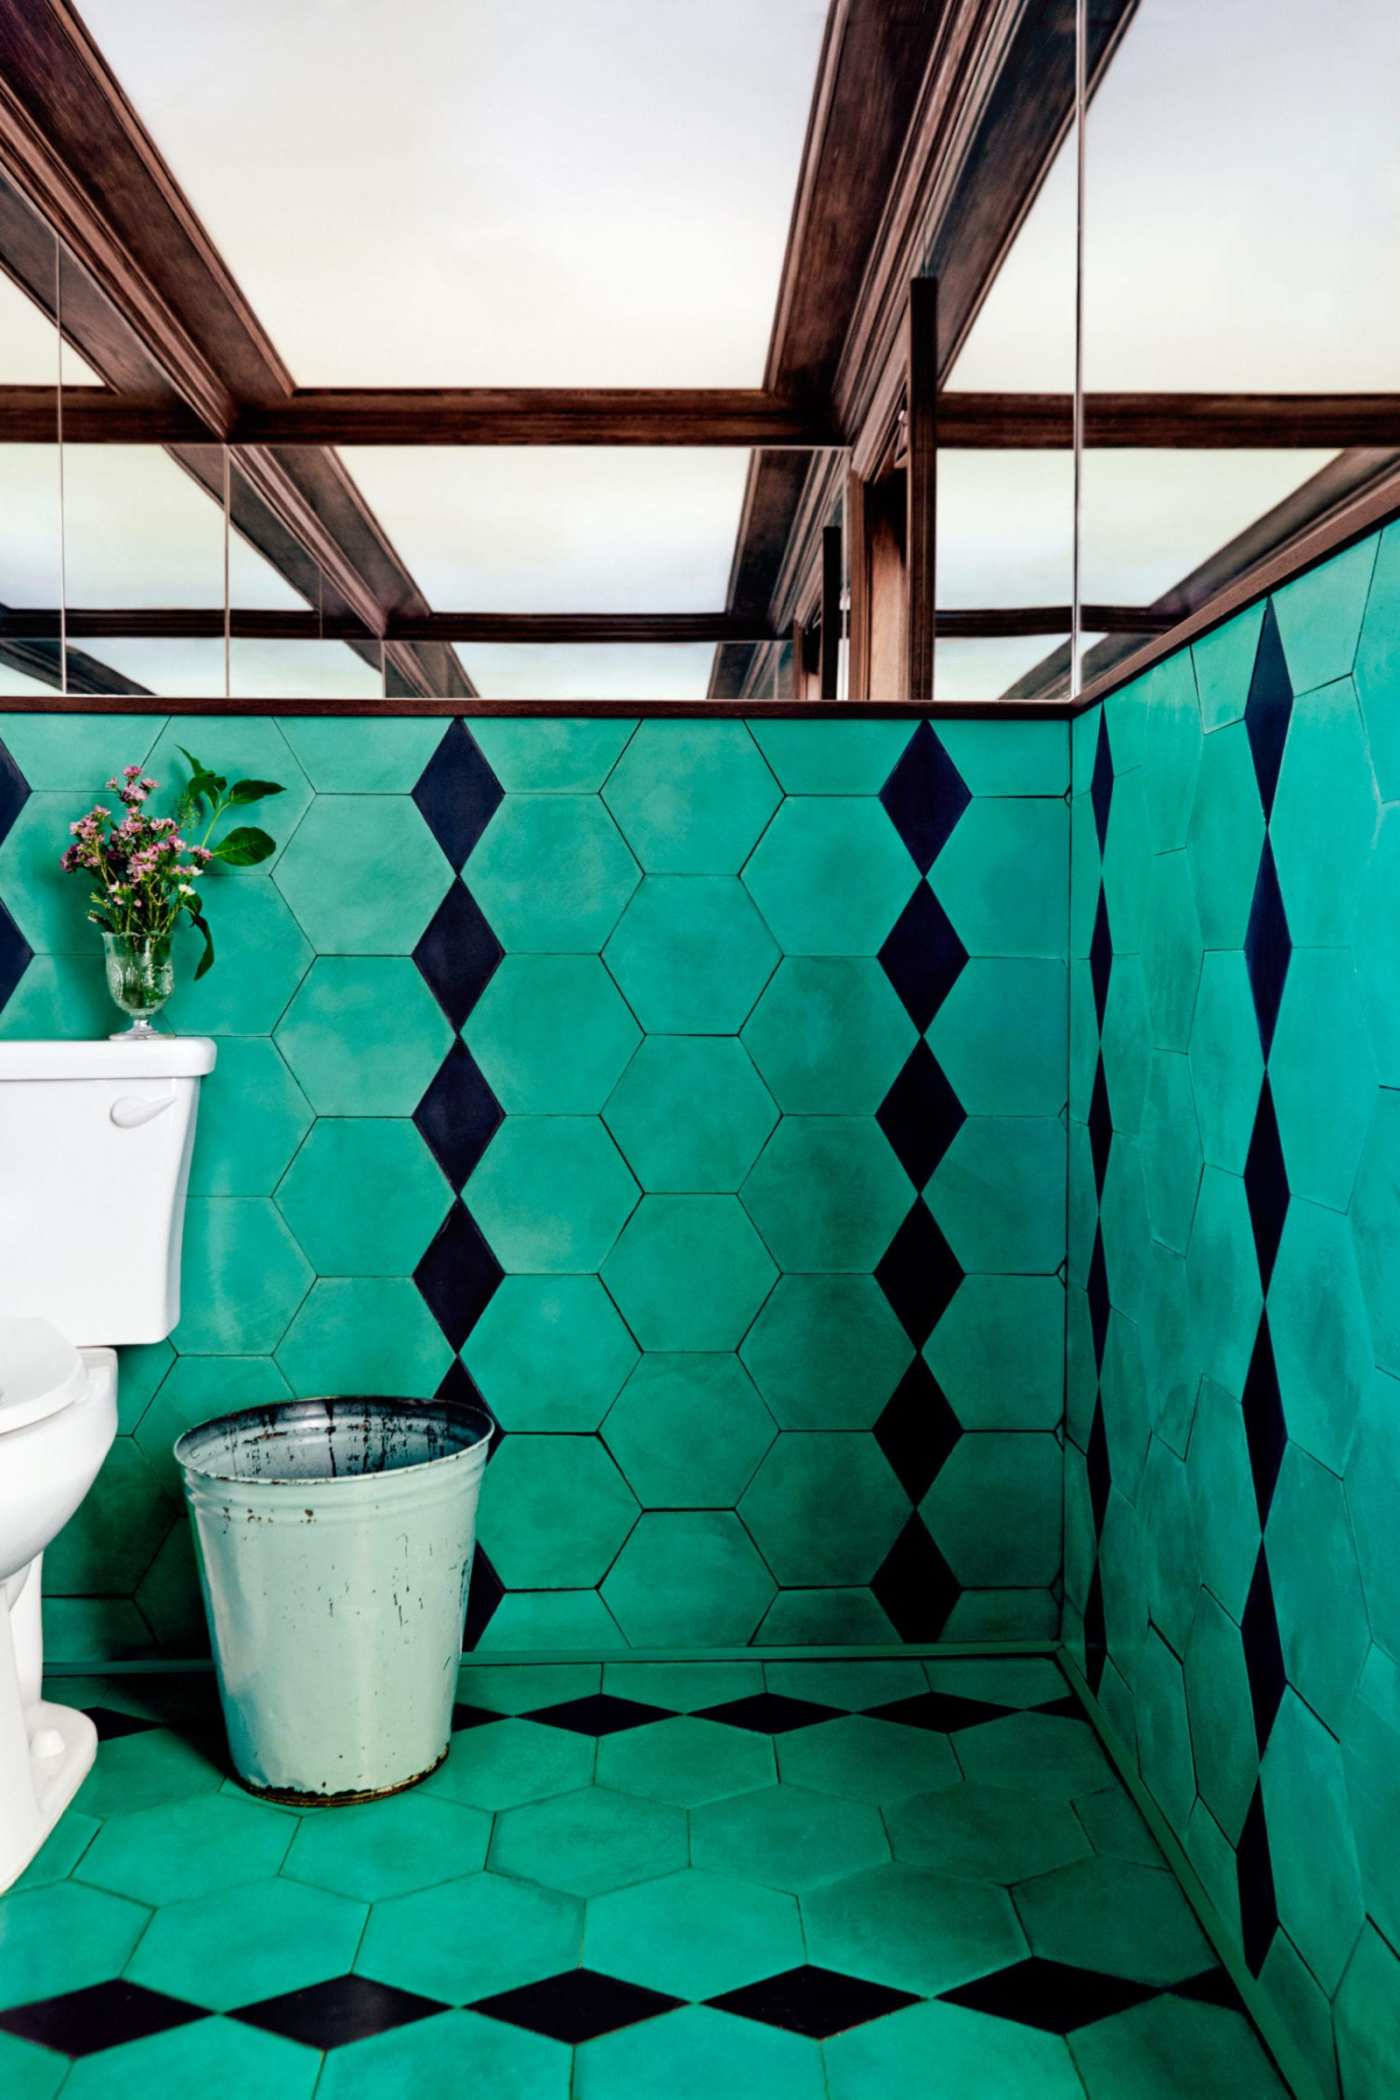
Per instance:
x=824, y=1509
x=1224, y=838
x=252, y=1117
x=826, y=1352
x=1317, y=1881
x=691, y=798
x=332, y=874
x=262, y=958
x=1084, y=1045
x=1000, y=1037
x=689, y=1272
x=1319, y=616
x=999, y=1191
x=384, y=756
x=591, y=1841
x=1324, y=816
x=342, y=1054
x=549, y=1352
x=1322, y=1338
x=828, y=1193
x=358, y=1334
x=1000, y=878
x=1375, y=1228
x=829, y=1035
x=77, y=752
x=1171, y=1149
x=1168, y=1547
x=1377, y=945
x=48, y=906
x=1370, y=1487
x=1222, y=1276
x=1171, y=945
x=194, y=1390
x=364, y=1197
x=1016, y=1475
x=1221, y=1712
x=1008, y=758
x=1127, y=863
x=688, y=1577
x=1220, y=1484
x=551, y=1034
x=693, y=1934
x=998, y=1352
x=831, y=875
x=1170, y=730
x=554, y=1511
x=688, y=1431
x=1370, y=1735
x=552, y=874
x=690, y=1113
x=691, y=954
x=1322, y=1075
x=1225, y=1059
x=832, y=758
x=1367, y=2022
x=113, y=1538
x=243, y=1277
x=551, y=1193
x=242, y=747
x=1127, y=1041
x=1316, y=1580
x=1377, y=667
x=552, y=755
x=1224, y=664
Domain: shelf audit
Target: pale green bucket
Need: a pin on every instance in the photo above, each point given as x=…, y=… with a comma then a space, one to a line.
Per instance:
x=335, y=1541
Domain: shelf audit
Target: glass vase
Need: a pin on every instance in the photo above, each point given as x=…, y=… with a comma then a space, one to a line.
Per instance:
x=140, y=977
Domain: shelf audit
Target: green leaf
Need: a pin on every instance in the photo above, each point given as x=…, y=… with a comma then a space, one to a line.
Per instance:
x=202, y=786
x=206, y=961
x=98, y=920
x=245, y=847
x=252, y=791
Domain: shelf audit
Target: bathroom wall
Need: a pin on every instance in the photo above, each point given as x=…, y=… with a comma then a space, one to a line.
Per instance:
x=634, y=1076
x=1233, y=1464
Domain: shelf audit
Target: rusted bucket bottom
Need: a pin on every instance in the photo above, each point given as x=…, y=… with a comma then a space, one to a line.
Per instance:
x=287, y=1798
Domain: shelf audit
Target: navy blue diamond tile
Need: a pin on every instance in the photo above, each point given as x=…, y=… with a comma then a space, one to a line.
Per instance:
x=458, y=1114
x=1098, y=1297
x=1266, y=1432
x=465, y=1716
x=100, y=2016
x=915, y=1586
x=1098, y=1467
x=919, y=1273
x=483, y=1599
x=943, y=1712
x=15, y=953
x=1254, y=1874
x=344, y=2009
x=1263, y=1652
x=1266, y=1183
x=458, y=953
x=458, y=1275
x=1211, y=1987
x=812, y=2001
x=458, y=1385
x=922, y=956
x=1268, y=708
x=1101, y=956
x=1101, y=785
x=14, y=791
x=576, y=2006
x=769, y=1713
x=1051, y=1995
x=1095, y=1631
x=111, y=1725
x=457, y=793
x=1100, y=1127
x=921, y=1115
x=1268, y=947
x=924, y=796
x=916, y=1430
x=600, y=1713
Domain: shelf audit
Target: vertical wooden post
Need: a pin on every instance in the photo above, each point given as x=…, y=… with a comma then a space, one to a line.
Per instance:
x=799, y=660
x=921, y=342
x=832, y=579
x=858, y=543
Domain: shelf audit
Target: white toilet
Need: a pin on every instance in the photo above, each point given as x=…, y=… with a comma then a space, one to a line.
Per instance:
x=95, y=1144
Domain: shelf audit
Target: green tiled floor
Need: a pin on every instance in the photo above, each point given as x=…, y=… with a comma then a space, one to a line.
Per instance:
x=805, y=1880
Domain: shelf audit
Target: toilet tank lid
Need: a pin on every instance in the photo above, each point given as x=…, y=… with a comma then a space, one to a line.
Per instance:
x=153, y=1057
x=40, y=1371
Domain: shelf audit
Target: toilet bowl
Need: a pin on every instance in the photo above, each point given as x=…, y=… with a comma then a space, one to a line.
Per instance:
x=96, y=1141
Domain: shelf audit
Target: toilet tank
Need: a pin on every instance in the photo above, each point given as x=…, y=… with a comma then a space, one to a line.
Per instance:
x=95, y=1144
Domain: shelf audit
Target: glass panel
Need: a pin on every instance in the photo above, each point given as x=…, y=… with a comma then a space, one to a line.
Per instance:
x=271, y=574
x=30, y=663
x=597, y=671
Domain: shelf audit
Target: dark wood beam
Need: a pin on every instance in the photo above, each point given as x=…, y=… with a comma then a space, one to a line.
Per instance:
x=473, y=705
x=829, y=660
x=709, y=416
x=921, y=421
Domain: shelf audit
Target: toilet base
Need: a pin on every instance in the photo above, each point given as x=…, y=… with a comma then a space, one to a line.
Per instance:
x=62, y=1747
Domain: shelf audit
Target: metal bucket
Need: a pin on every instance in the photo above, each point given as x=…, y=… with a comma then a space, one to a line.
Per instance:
x=334, y=1541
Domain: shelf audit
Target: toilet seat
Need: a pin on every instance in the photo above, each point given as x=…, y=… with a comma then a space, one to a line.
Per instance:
x=40, y=1372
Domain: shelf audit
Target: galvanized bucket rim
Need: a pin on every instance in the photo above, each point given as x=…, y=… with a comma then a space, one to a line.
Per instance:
x=455, y=1412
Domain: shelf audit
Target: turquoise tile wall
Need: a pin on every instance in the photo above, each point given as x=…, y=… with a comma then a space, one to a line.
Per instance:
x=1233, y=1456
x=693, y=1091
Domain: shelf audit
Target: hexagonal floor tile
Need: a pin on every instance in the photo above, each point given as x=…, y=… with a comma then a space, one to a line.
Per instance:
x=998, y=1352
x=357, y=1334
x=831, y=875
x=917, y=1931
x=343, y=1056
x=552, y=874
x=438, y=2055
x=686, y=1762
x=829, y=1035
x=142, y=1771
x=386, y=1848
x=1042, y=1753
x=551, y=1193
x=690, y=1113
x=998, y=1191
x=1117, y=1917
x=471, y=1937
x=554, y=1511
x=865, y=1759
x=244, y=1277
x=693, y=1934
x=511, y=1762
x=717, y=2054
x=688, y=1431
x=691, y=955
x=263, y=956
x=549, y=1352
x=828, y=1193
x=590, y=1841
x=202, y=2056
x=826, y=1352
x=236, y=1946
x=976, y=2055
x=63, y=1938
x=786, y=1837
x=689, y=1576
x=691, y=798
x=989, y=1833
x=252, y=1117
x=824, y=1509
x=689, y=1272
x=1172, y=2045
x=331, y=874
x=364, y=1197
x=187, y=1848
x=551, y=1034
